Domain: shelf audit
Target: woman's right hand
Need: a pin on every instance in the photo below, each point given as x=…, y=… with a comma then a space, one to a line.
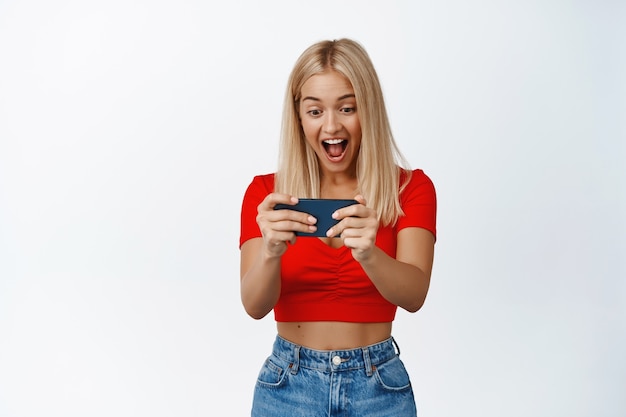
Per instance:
x=280, y=226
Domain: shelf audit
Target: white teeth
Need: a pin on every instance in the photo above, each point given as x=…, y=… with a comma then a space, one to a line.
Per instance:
x=333, y=141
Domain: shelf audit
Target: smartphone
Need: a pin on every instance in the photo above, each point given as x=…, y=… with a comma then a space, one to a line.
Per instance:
x=320, y=208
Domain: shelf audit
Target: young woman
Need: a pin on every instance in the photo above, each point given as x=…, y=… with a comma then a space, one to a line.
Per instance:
x=335, y=297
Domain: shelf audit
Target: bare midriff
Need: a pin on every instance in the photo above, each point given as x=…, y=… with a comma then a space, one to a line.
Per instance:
x=333, y=335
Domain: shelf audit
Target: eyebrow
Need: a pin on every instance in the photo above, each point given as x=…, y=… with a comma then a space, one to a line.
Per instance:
x=345, y=96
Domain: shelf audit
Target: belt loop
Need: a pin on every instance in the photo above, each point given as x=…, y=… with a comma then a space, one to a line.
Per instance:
x=393, y=340
x=368, y=362
x=296, y=360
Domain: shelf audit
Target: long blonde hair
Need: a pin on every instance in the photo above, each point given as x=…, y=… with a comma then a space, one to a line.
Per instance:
x=379, y=162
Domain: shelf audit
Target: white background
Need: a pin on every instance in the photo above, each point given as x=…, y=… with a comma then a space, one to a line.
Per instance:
x=129, y=131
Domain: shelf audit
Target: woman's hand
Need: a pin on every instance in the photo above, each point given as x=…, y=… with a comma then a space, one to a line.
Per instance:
x=279, y=226
x=357, y=228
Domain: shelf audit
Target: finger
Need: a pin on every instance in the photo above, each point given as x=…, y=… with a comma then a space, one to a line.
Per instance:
x=338, y=229
x=272, y=199
x=355, y=210
x=283, y=230
x=355, y=226
x=278, y=238
x=286, y=215
x=360, y=199
x=280, y=221
x=358, y=246
x=293, y=226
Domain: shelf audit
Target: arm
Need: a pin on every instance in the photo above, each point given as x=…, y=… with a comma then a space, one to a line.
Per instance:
x=260, y=279
x=260, y=257
x=403, y=281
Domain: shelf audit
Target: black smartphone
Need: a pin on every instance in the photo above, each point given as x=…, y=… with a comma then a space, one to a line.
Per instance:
x=320, y=208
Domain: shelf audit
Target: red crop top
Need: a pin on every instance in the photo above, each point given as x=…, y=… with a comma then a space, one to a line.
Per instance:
x=321, y=283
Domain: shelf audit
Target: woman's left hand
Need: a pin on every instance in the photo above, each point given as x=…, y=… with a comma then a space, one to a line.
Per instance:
x=357, y=228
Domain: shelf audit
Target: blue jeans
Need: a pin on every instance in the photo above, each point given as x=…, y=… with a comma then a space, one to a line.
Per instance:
x=300, y=382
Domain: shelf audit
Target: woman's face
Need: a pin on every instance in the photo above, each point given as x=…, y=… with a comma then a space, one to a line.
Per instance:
x=330, y=121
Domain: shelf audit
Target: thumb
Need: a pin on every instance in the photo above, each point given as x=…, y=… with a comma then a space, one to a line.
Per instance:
x=360, y=199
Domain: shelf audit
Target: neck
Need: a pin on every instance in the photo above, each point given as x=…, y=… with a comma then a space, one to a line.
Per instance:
x=338, y=185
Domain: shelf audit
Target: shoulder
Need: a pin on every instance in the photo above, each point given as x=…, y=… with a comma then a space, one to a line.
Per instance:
x=415, y=181
x=418, y=201
x=258, y=189
x=266, y=180
x=263, y=183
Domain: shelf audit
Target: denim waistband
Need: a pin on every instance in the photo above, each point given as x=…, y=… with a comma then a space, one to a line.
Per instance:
x=364, y=357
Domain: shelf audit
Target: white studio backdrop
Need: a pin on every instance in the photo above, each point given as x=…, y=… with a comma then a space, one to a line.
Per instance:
x=129, y=131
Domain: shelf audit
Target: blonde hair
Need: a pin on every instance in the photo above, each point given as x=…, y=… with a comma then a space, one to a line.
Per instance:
x=379, y=162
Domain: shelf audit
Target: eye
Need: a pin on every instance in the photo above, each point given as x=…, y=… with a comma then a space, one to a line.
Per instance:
x=347, y=110
x=314, y=112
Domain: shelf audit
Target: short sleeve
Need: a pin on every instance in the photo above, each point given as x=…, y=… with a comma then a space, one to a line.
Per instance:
x=419, y=203
x=257, y=190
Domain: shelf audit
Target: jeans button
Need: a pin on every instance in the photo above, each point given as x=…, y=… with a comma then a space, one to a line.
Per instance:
x=336, y=360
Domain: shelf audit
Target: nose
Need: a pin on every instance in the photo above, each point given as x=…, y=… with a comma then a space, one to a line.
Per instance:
x=331, y=123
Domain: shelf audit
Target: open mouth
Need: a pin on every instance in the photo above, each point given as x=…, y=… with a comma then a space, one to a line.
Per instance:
x=335, y=147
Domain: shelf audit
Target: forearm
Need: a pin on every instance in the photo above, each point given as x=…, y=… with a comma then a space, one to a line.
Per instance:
x=260, y=286
x=400, y=283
